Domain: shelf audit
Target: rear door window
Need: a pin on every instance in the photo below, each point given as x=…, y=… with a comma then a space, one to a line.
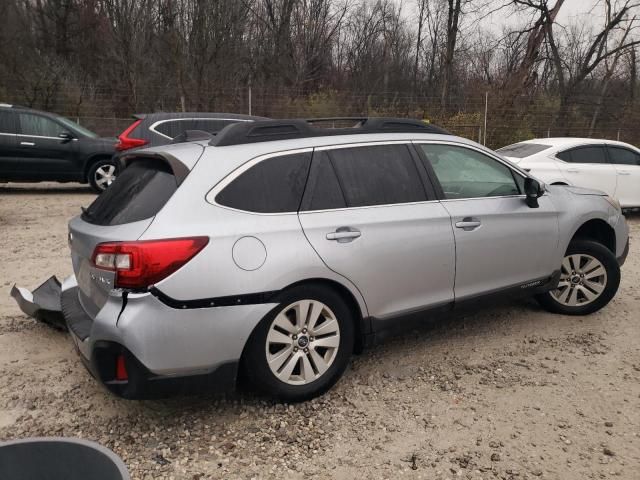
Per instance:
x=274, y=185
x=376, y=175
x=590, y=154
x=323, y=190
x=6, y=122
x=623, y=156
x=138, y=193
x=38, y=126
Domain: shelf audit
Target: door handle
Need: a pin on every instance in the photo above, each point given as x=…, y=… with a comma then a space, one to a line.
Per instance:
x=624, y=172
x=28, y=144
x=573, y=170
x=468, y=224
x=344, y=234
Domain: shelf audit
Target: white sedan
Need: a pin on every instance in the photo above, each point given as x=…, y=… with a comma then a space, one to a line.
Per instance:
x=613, y=167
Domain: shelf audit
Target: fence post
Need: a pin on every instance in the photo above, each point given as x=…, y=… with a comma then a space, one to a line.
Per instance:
x=249, y=99
x=618, y=134
x=486, y=108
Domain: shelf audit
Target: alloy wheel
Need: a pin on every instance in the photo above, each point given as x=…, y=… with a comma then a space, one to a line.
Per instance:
x=104, y=175
x=583, y=278
x=302, y=342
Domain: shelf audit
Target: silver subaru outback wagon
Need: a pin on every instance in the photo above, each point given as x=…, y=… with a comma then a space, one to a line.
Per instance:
x=279, y=248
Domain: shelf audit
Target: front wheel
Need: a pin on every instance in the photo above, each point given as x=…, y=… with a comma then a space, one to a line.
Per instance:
x=102, y=174
x=302, y=347
x=589, y=279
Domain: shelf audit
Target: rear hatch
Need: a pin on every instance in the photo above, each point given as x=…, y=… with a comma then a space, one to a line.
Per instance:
x=121, y=213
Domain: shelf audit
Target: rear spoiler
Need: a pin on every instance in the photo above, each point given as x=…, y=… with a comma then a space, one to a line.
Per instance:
x=179, y=169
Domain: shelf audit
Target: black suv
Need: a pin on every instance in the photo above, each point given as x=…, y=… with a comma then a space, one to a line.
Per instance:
x=38, y=146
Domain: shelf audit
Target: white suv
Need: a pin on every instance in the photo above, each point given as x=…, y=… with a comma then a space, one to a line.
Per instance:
x=613, y=167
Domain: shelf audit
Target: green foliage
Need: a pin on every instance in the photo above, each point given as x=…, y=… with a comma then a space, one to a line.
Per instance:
x=317, y=105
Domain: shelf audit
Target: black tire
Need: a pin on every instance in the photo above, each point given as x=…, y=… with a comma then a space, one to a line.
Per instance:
x=610, y=264
x=254, y=362
x=95, y=168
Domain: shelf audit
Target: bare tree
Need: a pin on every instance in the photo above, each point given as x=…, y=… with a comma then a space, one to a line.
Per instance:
x=522, y=78
x=589, y=55
x=453, y=24
x=610, y=65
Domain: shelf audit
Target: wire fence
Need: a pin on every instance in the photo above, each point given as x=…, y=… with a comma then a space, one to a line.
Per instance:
x=485, y=118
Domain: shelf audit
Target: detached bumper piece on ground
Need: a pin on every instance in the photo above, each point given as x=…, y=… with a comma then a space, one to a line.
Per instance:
x=43, y=303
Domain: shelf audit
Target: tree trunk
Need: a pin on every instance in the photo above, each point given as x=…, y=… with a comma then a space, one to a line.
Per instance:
x=633, y=73
x=418, y=45
x=453, y=18
x=562, y=120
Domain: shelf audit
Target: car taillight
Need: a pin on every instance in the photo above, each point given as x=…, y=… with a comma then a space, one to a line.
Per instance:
x=143, y=263
x=126, y=142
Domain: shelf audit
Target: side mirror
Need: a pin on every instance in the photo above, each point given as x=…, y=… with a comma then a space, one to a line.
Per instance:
x=533, y=190
x=66, y=136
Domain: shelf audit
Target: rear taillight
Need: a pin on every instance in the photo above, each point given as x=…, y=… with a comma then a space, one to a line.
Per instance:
x=143, y=263
x=126, y=142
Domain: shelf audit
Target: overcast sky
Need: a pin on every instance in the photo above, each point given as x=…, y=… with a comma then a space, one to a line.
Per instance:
x=591, y=11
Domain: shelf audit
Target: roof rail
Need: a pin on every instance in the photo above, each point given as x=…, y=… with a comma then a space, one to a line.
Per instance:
x=271, y=130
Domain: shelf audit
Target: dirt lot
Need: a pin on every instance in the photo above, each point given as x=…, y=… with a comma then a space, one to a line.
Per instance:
x=512, y=392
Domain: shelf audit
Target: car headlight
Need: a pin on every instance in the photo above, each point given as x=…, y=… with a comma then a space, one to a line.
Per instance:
x=613, y=202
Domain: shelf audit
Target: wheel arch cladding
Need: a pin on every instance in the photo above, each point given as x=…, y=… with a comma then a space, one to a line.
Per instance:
x=599, y=231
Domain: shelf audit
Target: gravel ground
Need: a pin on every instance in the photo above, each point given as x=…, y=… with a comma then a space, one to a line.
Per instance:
x=511, y=392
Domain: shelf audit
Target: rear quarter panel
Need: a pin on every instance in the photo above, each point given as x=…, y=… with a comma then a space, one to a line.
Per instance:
x=288, y=256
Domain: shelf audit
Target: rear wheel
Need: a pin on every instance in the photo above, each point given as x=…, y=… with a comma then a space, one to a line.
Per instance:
x=589, y=279
x=302, y=347
x=102, y=174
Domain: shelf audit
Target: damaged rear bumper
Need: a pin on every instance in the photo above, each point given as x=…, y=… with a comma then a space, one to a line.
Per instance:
x=139, y=347
x=43, y=303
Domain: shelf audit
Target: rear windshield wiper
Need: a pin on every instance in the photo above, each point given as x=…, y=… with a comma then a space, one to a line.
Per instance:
x=87, y=214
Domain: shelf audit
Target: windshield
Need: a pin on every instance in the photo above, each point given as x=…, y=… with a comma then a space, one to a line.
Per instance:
x=77, y=128
x=521, y=150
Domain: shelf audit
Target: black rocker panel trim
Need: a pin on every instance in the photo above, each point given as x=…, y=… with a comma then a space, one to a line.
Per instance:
x=227, y=301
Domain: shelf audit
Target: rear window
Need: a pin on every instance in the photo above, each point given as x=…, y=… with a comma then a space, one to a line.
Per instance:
x=139, y=192
x=173, y=128
x=522, y=150
x=274, y=185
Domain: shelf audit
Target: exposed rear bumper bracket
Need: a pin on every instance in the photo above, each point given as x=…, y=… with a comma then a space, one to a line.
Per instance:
x=43, y=303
